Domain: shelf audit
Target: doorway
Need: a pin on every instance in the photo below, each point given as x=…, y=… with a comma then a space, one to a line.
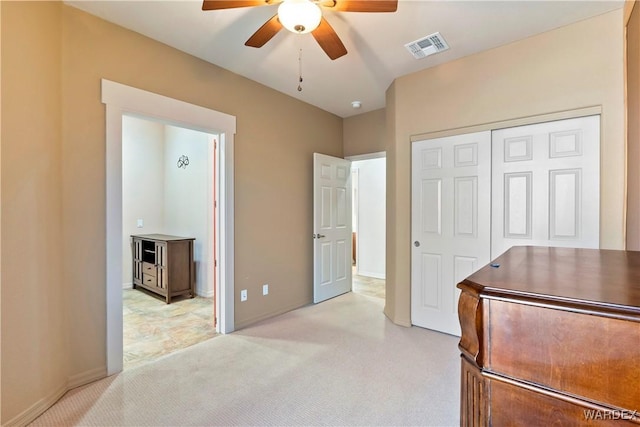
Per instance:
x=369, y=224
x=168, y=180
x=123, y=100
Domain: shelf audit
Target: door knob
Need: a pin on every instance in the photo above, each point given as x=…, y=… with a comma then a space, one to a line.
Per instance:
x=318, y=236
x=416, y=244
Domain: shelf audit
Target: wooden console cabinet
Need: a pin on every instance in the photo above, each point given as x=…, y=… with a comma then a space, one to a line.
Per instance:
x=163, y=264
x=552, y=337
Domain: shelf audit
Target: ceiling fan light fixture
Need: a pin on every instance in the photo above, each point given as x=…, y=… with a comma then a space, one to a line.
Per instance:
x=299, y=16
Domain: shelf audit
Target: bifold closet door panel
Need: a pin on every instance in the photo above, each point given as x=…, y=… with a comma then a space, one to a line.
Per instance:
x=450, y=226
x=546, y=185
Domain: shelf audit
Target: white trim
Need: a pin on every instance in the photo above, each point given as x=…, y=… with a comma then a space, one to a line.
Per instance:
x=226, y=242
x=510, y=123
x=121, y=99
x=207, y=291
x=86, y=377
x=114, y=235
x=374, y=275
x=208, y=294
x=369, y=156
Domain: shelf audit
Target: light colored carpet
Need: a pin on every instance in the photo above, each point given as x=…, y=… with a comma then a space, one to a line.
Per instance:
x=341, y=362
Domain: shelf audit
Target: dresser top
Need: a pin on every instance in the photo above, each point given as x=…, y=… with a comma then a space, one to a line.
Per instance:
x=161, y=237
x=582, y=277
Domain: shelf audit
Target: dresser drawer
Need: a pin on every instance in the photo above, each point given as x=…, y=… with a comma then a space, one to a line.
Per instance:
x=148, y=268
x=149, y=280
x=581, y=354
x=517, y=406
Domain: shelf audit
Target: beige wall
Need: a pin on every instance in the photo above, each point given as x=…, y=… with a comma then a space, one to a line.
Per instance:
x=396, y=221
x=53, y=186
x=34, y=344
x=569, y=68
x=633, y=126
x=364, y=133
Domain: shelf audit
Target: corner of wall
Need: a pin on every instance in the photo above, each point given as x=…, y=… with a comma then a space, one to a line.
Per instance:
x=41, y=405
x=364, y=133
x=34, y=411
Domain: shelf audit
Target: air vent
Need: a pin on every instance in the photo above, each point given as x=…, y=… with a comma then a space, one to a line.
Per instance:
x=426, y=46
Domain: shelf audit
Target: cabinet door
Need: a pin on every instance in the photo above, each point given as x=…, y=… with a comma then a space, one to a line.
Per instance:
x=161, y=265
x=137, y=260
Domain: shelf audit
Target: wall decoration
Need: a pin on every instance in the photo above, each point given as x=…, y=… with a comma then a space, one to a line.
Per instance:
x=183, y=162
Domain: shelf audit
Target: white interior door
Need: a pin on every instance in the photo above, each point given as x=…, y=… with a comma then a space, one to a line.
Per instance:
x=450, y=223
x=331, y=227
x=546, y=185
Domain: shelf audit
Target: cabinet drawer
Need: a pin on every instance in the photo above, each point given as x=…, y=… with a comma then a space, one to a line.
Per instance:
x=149, y=280
x=148, y=268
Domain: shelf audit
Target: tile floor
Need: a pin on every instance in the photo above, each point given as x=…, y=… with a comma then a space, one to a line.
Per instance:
x=153, y=329
x=368, y=286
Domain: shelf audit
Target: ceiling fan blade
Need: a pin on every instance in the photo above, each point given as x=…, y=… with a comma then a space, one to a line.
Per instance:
x=265, y=33
x=230, y=4
x=328, y=40
x=362, y=5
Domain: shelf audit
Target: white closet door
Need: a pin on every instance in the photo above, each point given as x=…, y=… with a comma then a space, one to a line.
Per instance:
x=450, y=223
x=546, y=185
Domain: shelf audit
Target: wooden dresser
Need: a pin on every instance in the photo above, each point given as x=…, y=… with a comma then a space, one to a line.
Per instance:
x=163, y=264
x=552, y=337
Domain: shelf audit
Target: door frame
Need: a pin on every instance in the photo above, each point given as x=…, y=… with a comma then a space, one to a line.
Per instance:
x=509, y=123
x=121, y=99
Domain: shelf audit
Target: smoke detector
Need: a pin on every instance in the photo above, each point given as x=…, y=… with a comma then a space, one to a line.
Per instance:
x=426, y=46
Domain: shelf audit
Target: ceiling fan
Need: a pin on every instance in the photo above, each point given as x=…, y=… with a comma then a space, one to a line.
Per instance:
x=304, y=16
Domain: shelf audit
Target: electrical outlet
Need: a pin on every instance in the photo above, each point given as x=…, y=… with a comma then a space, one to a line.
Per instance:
x=140, y=223
x=265, y=289
x=243, y=295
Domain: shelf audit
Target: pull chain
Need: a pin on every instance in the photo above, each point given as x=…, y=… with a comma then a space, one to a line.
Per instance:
x=300, y=71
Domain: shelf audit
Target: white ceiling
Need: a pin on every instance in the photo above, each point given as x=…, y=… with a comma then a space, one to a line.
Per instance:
x=374, y=41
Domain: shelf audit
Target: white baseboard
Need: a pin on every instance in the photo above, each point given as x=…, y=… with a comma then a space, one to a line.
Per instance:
x=127, y=285
x=370, y=274
x=86, y=377
x=34, y=411
x=207, y=294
